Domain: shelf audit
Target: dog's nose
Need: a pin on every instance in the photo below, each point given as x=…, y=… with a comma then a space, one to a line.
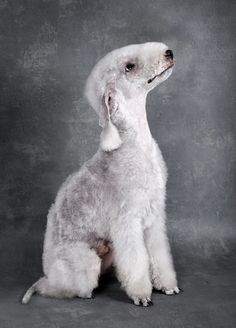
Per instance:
x=169, y=54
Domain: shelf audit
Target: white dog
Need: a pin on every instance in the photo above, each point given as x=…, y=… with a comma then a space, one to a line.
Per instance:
x=112, y=211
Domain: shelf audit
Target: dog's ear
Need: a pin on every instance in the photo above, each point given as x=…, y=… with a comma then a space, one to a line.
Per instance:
x=111, y=100
x=110, y=104
x=110, y=138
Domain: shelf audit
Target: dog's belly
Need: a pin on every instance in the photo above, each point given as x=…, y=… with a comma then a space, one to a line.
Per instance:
x=102, y=247
x=104, y=250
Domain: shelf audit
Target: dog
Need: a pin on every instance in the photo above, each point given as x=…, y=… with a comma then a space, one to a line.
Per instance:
x=112, y=211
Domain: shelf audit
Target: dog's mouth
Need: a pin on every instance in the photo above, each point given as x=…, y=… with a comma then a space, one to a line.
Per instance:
x=158, y=75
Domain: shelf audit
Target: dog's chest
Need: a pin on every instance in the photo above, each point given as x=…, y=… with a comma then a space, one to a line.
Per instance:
x=139, y=170
x=141, y=178
x=148, y=170
x=153, y=186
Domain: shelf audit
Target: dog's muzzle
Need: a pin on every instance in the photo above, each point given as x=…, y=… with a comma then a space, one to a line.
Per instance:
x=165, y=70
x=170, y=58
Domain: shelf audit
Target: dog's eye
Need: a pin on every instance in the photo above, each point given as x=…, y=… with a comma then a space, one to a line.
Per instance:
x=129, y=67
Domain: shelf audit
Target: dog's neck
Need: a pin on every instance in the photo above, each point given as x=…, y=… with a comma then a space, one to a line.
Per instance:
x=137, y=108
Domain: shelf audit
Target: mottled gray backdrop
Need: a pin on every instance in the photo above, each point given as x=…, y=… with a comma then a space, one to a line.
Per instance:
x=47, y=50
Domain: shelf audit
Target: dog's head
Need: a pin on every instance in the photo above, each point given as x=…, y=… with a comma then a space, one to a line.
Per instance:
x=128, y=73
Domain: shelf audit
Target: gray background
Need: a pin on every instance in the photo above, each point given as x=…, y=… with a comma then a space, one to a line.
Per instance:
x=47, y=49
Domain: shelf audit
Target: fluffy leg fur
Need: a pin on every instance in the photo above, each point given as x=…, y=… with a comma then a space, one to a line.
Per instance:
x=131, y=261
x=74, y=272
x=162, y=269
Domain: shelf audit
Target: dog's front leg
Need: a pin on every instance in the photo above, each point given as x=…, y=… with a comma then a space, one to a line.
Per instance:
x=161, y=263
x=131, y=259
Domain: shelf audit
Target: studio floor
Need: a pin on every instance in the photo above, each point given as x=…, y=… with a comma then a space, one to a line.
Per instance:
x=208, y=300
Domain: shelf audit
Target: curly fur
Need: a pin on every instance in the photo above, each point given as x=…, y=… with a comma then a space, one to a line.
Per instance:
x=117, y=196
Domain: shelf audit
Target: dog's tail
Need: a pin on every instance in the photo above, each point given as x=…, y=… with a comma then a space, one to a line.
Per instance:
x=33, y=289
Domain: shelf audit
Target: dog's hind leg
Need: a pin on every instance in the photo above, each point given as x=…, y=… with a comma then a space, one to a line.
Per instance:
x=74, y=272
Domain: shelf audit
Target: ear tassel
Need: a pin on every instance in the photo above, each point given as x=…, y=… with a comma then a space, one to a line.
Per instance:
x=110, y=138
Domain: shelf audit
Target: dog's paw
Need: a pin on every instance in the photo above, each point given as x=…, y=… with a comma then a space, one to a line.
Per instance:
x=170, y=291
x=142, y=301
x=167, y=286
x=140, y=291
